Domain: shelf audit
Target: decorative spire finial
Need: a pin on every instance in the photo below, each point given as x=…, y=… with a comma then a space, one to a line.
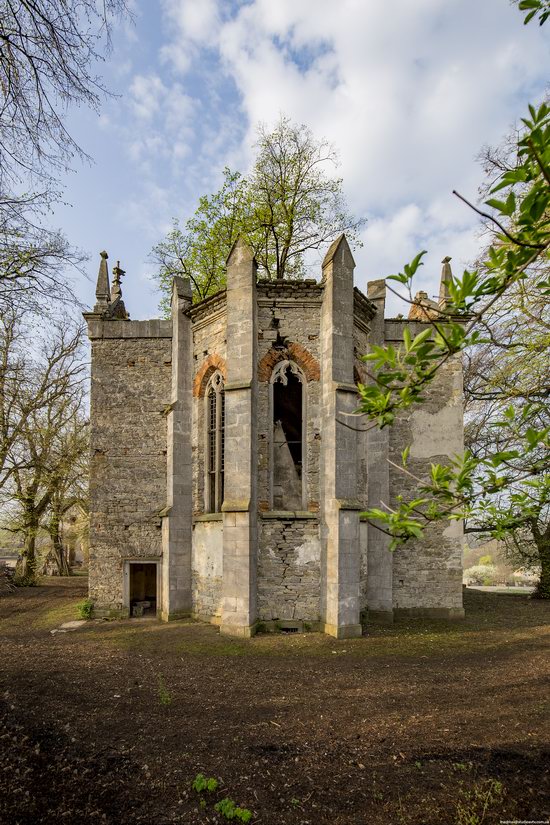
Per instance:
x=446, y=279
x=116, y=289
x=102, y=290
x=117, y=310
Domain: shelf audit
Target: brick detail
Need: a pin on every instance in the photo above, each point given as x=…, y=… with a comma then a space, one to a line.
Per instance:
x=209, y=365
x=292, y=352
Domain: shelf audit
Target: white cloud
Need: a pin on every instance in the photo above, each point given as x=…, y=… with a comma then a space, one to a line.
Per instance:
x=147, y=93
x=408, y=97
x=196, y=22
x=408, y=94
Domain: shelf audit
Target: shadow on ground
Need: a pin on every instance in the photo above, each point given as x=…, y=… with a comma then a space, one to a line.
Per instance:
x=415, y=723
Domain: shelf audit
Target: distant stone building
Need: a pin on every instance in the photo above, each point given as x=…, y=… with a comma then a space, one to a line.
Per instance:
x=228, y=476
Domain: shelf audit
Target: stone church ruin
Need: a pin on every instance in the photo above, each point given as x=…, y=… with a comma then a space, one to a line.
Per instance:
x=227, y=475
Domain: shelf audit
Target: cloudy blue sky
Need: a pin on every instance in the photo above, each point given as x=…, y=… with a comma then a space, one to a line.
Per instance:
x=407, y=91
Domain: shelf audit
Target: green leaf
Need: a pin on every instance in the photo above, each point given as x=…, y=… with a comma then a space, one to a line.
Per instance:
x=420, y=339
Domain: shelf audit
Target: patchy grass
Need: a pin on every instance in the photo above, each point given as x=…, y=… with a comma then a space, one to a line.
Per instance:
x=419, y=722
x=492, y=623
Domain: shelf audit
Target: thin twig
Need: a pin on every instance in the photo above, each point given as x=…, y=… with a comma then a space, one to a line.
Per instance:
x=500, y=226
x=539, y=161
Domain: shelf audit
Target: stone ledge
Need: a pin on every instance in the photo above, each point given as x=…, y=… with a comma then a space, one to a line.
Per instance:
x=237, y=385
x=349, y=504
x=287, y=515
x=278, y=625
x=155, y=328
x=351, y=388
x=208, y=517
x=207, y=618
x=236, y=506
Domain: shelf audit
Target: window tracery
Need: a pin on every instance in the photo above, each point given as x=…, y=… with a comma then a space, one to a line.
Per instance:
x=215, y=425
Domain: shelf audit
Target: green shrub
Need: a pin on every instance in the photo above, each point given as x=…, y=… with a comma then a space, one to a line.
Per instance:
x=227, y=808
x=202, y=783
x=85, y=609
x=477, y=803
x=165, y=697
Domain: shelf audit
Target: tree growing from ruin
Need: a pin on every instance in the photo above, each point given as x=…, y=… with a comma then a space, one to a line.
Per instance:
x=200, y=248
x=290, y=206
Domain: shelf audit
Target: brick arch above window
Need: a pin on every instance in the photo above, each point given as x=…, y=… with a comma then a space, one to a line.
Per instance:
x=292, y=352
x=209, y=365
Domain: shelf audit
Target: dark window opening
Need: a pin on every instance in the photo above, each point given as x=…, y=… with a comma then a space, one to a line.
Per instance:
x=287, y=408
x=287, y=440
x=212, y=437
x=215, y=412
x=143, y=590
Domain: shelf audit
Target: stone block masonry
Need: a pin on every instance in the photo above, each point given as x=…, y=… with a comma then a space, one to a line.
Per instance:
x=187, y=477
x=240, y=529
x=289, y=569
x=427, y=574
x=130, y=388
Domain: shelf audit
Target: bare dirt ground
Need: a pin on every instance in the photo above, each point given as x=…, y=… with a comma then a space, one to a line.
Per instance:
x=418, y=723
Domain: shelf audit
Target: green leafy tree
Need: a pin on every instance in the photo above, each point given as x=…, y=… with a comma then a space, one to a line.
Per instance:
x=502, y=485
x=288, y=208
x=295, y=207
x=507, y=384
x=200, y=249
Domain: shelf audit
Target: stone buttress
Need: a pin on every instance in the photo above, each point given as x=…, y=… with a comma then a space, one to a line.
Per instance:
x=229, y=472
x=240, y=521
x=340, y=505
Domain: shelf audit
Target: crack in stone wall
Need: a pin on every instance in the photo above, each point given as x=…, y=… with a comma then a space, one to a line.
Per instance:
x=289, y=570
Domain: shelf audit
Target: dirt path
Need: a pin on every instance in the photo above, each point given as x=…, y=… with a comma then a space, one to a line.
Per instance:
x=412, y=724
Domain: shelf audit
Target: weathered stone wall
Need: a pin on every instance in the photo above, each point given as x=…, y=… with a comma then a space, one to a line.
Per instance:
x=364, y=565
x=363, y=313
x=296, y=579
x=131, y=383
x=289, y=550
x=289, y=569
x=207, y=564
x=209, y=353
x=240, y=520
x=427, y=574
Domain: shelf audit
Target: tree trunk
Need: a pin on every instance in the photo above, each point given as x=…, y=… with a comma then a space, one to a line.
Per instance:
x=25, y=570
x=542, y=590
x=60, y=556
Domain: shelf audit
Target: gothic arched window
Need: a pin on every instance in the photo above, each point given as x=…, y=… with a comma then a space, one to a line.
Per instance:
x=215, y=420
x=288, y=437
